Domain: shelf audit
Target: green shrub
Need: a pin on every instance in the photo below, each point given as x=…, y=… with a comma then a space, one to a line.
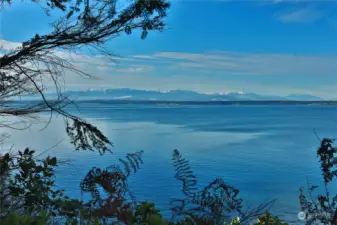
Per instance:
x=15, y=219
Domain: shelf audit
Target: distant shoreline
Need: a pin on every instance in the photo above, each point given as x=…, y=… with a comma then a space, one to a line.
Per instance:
x=256, y=102
x=155, y=102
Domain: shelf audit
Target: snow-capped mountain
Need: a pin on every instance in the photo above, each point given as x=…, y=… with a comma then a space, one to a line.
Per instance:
x=179, y=95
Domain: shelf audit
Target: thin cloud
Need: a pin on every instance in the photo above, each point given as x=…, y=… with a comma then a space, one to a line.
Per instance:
x=143, y=57
x=136, y=69
x=189, y=56
x=251, y=64
x=302, y=15
x=103, y=68
x=226, y=62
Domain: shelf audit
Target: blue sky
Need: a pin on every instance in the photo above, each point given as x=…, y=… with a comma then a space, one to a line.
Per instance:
x=267, y=47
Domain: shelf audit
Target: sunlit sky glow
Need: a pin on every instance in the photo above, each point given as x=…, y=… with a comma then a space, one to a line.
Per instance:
x=266, y=47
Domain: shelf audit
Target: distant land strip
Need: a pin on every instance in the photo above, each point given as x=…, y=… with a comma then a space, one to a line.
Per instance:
x=255, y=102
x=165, y=102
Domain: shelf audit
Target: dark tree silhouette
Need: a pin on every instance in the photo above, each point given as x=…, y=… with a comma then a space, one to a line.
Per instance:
x=89, y=23
x=322, y=209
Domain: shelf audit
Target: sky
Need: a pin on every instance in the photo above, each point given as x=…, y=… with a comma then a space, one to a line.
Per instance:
x=271, y=47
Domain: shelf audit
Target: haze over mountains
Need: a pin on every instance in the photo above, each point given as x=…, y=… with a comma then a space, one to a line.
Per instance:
x=179, y=95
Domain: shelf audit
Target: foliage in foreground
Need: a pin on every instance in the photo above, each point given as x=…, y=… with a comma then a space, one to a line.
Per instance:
x=28, y=188
x=28, y=195
x=322, y=209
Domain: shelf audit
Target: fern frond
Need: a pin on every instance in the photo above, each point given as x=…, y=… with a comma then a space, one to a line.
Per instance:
x=184, y=173
x=132, y=162
x=213, y=203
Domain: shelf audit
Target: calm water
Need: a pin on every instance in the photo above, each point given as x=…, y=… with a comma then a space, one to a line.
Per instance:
x=265, y=151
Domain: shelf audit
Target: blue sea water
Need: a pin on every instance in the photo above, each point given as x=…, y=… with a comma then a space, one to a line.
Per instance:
x=266, y=151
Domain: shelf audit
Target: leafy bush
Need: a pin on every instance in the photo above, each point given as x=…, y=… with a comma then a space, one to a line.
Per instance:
x=28, y=187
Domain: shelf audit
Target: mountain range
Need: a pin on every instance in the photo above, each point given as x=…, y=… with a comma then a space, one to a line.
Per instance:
x=179, y=95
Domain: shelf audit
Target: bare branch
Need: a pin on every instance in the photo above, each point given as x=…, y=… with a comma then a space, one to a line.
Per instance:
x=24, y=71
